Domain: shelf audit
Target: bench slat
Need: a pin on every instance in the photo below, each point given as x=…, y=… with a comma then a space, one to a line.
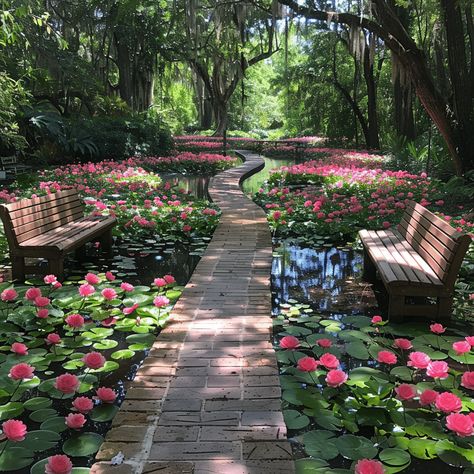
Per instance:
x=435, y=260
x=434, y=219
x=26, y=203
x=378, y=256
x=421, y=261
x=437, y=234
x=403, y=257
x=56, y=236
x=44, y=208
x=55, y=222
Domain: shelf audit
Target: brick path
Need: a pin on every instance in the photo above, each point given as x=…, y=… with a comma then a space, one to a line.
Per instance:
x=207, y=398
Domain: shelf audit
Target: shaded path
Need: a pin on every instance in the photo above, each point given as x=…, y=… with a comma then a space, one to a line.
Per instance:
x=207, y=398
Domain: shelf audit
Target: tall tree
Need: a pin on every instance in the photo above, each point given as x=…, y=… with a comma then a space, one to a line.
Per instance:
x=453, y=116
x=221, y=41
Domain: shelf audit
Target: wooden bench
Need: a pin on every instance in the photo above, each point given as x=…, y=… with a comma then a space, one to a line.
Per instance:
x=49, y=227
x=418, y=263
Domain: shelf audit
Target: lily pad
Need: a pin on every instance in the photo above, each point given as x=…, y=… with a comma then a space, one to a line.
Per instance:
x=37, y=403
x=104, y=412
x=40, y=440
x=11, y=410
x=57, y=424
x=123, y=354
x=84, y=444
x=43, y=414
x=14, y=458
x=320, y=444
x=355, y=447
x=295, y=420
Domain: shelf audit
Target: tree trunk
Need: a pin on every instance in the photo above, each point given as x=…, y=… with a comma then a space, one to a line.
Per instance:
x=403, y=109
x=125, y=84
x=373, y=142
x=222, y=118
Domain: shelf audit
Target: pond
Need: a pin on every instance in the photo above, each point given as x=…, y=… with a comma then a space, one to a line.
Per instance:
x=134, y=261
x=318, y=295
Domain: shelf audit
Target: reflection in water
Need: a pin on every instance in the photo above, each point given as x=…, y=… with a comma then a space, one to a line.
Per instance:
x=192, y=184
x=324, y=278
x=252, y=184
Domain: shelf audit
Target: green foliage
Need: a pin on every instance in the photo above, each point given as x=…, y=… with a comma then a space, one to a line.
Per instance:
x=12, y=96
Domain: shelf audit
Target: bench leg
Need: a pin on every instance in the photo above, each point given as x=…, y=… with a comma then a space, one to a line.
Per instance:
x=56, y=267
x=396, y=305
x=370, y=271
x=445, y=308
x=106, y=242
x=18, y=268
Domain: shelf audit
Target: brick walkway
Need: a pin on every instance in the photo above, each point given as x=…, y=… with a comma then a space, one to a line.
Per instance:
x=207, y=398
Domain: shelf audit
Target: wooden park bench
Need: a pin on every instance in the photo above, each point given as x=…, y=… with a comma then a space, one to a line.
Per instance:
x=418, y=263
x=50, y=227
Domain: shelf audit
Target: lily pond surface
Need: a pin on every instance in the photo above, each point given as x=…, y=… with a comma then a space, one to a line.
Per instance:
x=318, y=294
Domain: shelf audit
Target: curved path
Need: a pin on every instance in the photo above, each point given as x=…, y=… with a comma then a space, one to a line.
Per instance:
x=207, y=398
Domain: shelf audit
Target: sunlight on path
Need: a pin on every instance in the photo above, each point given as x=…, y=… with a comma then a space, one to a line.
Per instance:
x=207, y=398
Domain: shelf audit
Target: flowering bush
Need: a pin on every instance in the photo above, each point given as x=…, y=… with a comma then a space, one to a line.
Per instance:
x=391, y=394
x=142, y=204
x=56, y=371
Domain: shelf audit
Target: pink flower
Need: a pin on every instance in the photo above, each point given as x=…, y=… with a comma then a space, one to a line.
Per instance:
x=369, y=466
x=92, y=279
x=307, y=364
x=377, y=319
x=58, y=464
x=8, y=295
x=127, y=287
x=50, y=279
x=289, y=342
x=324, y=343
x=161, y=301
x=462, y=425
x=110, y=276
x=187, y=228
x=43, y=313
x=86, y=290
x=461, y=347
x=405, y=391
x=53, y=338
x=159, y=282
x=169, y=279
x=437, y=370
x=130, y=309
x=109, y=321
x=109, y=293
x=75, y=421
x=75, y=321
x=330, y=361
x=428, y=397
x=94, y=360
x=419, y=360
x=83, y=404
x=19, y=348
x=470, y=339
x=42, y=301
x=403, y=344
x=386, y=224
x=67, y=383
x=437, y=328
x=21, y=372
x=32, y=293
x=14, y=430
x=335, y=378
x=467, y=380
x=106, y=395
x=387, y=357
x=448, y=402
